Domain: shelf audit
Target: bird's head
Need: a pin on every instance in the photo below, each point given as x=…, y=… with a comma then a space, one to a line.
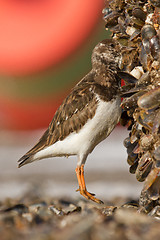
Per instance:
x=107, y=51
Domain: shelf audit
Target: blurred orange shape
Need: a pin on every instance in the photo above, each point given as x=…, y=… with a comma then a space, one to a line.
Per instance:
x=36, y=34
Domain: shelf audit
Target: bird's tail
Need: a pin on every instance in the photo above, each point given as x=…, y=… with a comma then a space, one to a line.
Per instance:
x=30, y=155
x=27, y=158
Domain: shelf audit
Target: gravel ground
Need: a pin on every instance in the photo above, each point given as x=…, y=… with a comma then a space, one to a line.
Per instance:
x=36, y=217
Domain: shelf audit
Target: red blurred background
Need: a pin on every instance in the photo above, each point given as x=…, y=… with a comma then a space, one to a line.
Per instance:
x=45, y=48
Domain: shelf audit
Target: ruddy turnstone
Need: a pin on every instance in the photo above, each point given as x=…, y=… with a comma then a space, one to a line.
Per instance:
x=87, y=115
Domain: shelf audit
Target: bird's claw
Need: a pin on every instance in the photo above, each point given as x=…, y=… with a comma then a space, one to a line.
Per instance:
x=78, y=190
x=90, y=196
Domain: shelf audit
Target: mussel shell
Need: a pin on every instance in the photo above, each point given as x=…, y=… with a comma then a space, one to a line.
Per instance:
x=145, y=80
x=148, y=31
x=144, y=167
x=140, y=20
x=111, y=19
x=125, y=119
x=155, y=47
x=150, y=99
x=146, y=142
x=127, y=142
x=139, y=13
x=131, y=147
x=132, y=158
x=146, y=45
x=146, y=204
x=154, y=190
x=145, y=119
x=137, y=22
x=131, y=102
x=133, y=168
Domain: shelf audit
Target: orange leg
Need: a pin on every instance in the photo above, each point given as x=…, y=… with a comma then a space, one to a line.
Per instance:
x=82, y=185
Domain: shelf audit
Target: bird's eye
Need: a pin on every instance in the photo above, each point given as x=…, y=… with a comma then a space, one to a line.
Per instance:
x=112, y=45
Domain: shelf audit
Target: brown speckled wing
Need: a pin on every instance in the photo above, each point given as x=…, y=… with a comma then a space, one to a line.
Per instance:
x=72, y=115
x=79, y=106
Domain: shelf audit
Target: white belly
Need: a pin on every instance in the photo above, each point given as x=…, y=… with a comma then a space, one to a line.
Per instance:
x=95, y=130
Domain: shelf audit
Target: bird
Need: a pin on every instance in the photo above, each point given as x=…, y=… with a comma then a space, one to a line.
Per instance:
x=86, y=116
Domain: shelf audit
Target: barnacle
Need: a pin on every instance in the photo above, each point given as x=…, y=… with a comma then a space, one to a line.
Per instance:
x=136, y=25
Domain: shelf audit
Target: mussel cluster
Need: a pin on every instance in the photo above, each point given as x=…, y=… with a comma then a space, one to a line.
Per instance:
x=136, y=25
